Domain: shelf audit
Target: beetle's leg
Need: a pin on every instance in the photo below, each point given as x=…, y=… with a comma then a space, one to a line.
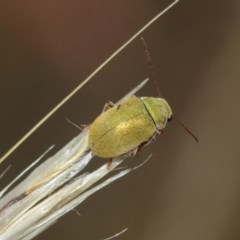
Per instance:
x=156, y=134
x=109, y=163
x=133, y=152
x=84, y=126
x=151, y=139
x=107, y=106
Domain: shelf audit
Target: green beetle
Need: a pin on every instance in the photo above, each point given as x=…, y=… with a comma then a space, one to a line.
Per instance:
x=123, y=129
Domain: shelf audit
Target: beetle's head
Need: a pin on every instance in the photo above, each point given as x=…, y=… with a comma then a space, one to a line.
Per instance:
x=159, y=110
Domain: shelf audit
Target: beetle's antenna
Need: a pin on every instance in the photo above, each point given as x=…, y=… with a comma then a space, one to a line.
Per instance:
x=186, y=129
x=151, y=65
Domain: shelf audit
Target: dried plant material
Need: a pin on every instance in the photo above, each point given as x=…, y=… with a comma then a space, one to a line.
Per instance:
x=54, y=188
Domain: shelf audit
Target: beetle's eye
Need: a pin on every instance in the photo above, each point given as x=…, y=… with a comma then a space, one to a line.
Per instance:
x=169, y=119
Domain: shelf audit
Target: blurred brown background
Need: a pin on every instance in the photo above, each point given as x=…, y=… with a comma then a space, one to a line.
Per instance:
x=186, y=191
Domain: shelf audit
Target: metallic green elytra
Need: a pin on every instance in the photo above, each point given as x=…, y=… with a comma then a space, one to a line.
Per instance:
x=123, y=129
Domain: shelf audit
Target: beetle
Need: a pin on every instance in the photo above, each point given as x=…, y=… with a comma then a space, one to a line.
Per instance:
x=123, y=129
